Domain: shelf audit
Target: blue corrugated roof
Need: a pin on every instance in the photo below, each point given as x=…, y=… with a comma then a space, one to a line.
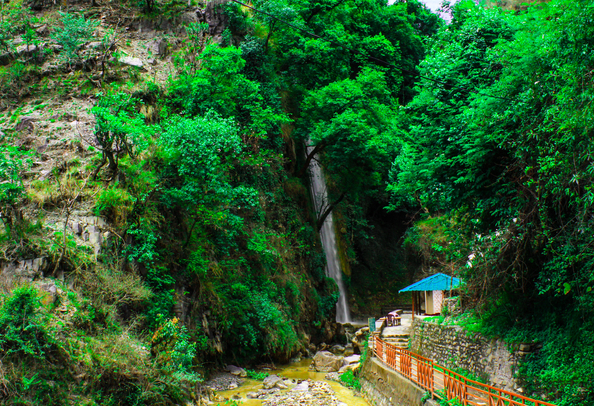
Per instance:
x=438, y=281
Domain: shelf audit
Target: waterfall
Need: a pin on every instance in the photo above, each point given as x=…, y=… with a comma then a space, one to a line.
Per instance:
x=328, y=237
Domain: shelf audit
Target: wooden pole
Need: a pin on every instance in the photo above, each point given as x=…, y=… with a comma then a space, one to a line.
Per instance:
x=413, y=311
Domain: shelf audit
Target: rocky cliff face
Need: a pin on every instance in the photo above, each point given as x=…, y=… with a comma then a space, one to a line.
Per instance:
x=511, y=4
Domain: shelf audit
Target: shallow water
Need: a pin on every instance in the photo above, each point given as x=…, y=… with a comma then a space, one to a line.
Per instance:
x=297, y=371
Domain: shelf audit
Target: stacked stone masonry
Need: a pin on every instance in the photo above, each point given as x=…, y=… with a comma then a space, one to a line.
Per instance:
x=453, y=347
x=382, y=386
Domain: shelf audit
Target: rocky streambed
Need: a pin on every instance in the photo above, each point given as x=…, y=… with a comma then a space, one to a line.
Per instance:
x=298, y=383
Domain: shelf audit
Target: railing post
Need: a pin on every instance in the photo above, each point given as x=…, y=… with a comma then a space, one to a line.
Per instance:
x=465, y=401
x=432, y=379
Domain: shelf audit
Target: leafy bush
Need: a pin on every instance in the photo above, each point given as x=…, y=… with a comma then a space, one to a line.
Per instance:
x=115, y=203
x=23, y=325
x=76, y=31
x=221, y=87
x=12, y=163
x=144, y=246
x=171, y=345
x=257, y=375
x=120, y=129
x=349, y=379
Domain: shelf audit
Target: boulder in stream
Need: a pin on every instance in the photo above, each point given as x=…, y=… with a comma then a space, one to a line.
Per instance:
x=274, y=381
x=325, y=361
x=353, y=359
x=237, y=371
x=358, y=340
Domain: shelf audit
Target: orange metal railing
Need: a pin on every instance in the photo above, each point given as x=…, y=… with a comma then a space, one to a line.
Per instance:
x=442, y=382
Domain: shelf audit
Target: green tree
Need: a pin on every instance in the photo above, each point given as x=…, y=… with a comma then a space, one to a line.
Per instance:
x=498, y=143
x=12, y=163
x=76, y=31
x=22, y=325
x=120, y=130
x=349, y=127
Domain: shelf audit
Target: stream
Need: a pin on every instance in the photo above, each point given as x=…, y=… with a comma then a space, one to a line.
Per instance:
x=297, y=371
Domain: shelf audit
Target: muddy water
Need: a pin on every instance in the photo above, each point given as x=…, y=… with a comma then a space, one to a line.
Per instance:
x=297, y=371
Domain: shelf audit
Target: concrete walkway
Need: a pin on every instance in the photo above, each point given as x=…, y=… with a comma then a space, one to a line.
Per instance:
x=398, y=335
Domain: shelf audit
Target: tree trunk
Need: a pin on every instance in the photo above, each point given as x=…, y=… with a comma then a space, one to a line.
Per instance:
x=328, y=210
x=319, y=147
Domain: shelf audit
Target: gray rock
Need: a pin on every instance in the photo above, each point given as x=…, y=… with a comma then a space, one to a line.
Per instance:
x=353, y=359
x=49, y=287
x=273, y=381
x=318, y=393
x=237, y=371
x=42, y=31
x=95, y=237
x=337, y=349
x=325, y=361
x=348, y=367
x=98, y=45
x=189, y=17
x=332, y=376
x=98, y=221
x=302, y=387
x=76, y=227
x=348, y=350
x=358, y=340
x=217, y=20
x=157, y=46
x=26, y=123
x=25, y=269
x=25, y=50
x=130, y=61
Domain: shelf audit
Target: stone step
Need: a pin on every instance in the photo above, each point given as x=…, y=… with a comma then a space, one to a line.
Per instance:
x=405, y=342
x=402, y=337
x=396, y=340
x=400, y=345
x=406, y=336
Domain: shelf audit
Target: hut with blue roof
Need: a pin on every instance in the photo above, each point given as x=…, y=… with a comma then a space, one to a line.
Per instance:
x=428, y=294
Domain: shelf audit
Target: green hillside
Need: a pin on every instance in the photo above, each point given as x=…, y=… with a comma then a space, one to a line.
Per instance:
x=154, y=187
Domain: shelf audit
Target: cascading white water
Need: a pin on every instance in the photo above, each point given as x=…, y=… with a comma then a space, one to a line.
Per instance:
x=328, y=237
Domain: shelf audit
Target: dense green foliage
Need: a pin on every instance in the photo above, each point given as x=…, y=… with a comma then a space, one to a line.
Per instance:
x=22, y=327
x=497, y=153
x=476, y=135
x=12, y=163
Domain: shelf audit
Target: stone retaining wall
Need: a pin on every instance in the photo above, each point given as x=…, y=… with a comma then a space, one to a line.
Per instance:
x=452, y=347
x=382, y=386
